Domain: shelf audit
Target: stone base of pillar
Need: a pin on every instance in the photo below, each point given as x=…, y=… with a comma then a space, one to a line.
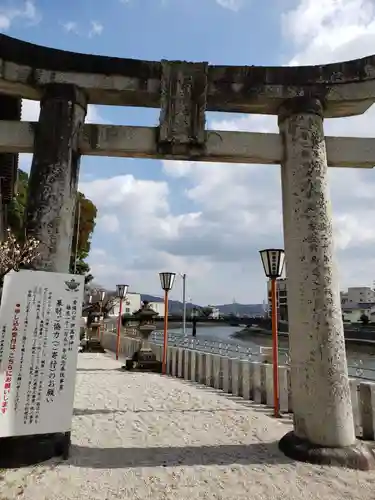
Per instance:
x=23, y=451
x=144, y=360
x=91, y=345
x=359, y=456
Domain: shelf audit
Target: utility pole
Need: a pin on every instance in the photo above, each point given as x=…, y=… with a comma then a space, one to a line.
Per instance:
x=183, y=303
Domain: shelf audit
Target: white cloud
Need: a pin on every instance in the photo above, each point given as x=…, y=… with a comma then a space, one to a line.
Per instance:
x=227, y=212
x=31, y=109
x=236, y=209
x=18, y=11
x=234, y=5
x=95, y=29
x=109, y=223
x=71, y=27
x=328, y=31
x=139, y=204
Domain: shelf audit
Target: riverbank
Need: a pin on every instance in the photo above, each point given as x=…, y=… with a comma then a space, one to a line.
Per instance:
x=264, y=337
x=189, y=326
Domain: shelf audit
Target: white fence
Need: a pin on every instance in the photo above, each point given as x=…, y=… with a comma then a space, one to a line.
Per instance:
x=251, y=380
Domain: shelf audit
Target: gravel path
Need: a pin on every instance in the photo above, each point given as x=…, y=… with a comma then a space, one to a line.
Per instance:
x=143, y=436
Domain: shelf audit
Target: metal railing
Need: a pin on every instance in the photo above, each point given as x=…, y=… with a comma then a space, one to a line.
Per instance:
x=232, y=349
x=223, y=348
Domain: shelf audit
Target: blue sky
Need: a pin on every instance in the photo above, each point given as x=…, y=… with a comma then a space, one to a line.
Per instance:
x=206, y=220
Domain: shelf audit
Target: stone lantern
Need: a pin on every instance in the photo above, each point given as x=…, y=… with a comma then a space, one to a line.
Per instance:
x=144, y=322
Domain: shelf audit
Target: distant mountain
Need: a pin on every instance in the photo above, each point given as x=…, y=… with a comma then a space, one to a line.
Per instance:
x=150, y=298
x=175, y=306
x=241, y=309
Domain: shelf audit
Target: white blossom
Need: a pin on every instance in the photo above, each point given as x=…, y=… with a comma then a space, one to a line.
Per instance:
x=13, y=255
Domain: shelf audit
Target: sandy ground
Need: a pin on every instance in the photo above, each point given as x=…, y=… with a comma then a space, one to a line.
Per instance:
x=143, y=436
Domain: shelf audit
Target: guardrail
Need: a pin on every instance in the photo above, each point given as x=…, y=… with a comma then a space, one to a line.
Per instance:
x=246, y=378
x=234, y=350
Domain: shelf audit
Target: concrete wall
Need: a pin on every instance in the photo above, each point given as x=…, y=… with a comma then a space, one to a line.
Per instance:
x=247, y=379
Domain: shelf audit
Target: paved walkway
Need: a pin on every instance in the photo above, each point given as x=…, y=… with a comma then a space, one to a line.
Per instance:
x=143, y=436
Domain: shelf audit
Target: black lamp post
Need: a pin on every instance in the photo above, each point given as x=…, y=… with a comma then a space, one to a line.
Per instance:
x=273, y=265
x=166, y=281
x=121, y=291
x=194, y=316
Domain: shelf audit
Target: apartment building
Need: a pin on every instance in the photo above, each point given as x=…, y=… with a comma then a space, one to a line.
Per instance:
x=281, y=299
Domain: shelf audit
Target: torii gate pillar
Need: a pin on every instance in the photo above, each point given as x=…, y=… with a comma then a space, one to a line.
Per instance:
x=54, y=175
x=322, y=408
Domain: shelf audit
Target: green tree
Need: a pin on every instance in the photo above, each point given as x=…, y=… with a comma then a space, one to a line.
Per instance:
x=88, y=212
x=206, y=311
x=365, y=320
x=83, y=229
x=16, y=208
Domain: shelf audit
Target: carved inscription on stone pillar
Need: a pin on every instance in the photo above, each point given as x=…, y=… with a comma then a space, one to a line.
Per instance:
x=54, y=175
x=319, y=375
x=183, y=106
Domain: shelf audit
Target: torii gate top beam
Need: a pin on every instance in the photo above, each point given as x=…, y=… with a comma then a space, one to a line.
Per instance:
x=346, y=88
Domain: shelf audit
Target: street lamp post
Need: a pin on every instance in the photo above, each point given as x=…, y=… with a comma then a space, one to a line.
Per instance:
x=183, y=276
x=101, y=331
x=121, y=291
x=273, y=264
x=166, y=280
x=194, y=316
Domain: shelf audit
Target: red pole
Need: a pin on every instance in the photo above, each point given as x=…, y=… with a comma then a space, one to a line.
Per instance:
x=165, y=344
x=118, y=329
x=275, y=351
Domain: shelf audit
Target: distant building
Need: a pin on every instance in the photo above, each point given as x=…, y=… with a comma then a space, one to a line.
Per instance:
x=130, y=304
x=357, y=295
x=133, y=302
x=215, y=313
x=356, y=302
x=158, y=307
x=281, y=299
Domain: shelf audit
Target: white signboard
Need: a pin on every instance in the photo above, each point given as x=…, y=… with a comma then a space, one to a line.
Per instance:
x=40, y=314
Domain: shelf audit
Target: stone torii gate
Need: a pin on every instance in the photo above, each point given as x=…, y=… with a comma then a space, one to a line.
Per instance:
x=301, y=97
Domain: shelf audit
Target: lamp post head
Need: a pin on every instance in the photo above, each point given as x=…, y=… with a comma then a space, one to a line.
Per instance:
x=102, y=295
x=167, y=280
x=121, y=291
x=273, y=262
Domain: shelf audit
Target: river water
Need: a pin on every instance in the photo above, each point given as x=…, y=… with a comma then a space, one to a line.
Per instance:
x=361, y=359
